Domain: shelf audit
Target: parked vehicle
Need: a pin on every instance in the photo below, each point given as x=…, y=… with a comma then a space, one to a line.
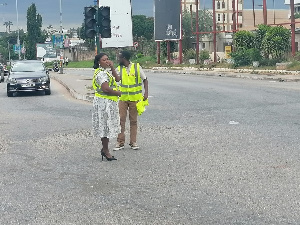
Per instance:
x=1, y=73
x=28, y=75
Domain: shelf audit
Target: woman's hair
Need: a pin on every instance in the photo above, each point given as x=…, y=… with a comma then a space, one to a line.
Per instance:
x=97, y=59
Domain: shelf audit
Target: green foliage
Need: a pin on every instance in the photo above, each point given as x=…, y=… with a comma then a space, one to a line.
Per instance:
x=245, y=57
x=81, y=64
x=297, y=15
x=241, y=57
x=34, y=32
x=164, y=47
x=10, y=39
x=203, y=55
x=244, y=39
x=260, y=34
x=276, y=42
x=190, y=54
x=265, y=42
x=143, y=26
x=205, y=24
x=269, y=62
x=294, y=65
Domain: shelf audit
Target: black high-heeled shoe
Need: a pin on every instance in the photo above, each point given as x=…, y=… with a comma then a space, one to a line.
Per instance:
x=108, y=159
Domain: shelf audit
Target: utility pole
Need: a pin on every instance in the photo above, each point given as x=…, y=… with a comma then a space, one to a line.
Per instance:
x=181, y=36
x=61, y=41
x=293, y=26
x=215, y=30
x=265, y=12
x=197, y=30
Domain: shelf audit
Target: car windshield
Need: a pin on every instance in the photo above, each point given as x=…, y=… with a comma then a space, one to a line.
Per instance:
x=28, y=67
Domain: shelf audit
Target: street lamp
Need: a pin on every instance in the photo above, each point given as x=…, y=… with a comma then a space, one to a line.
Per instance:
x=61, y=36
x=18, y=42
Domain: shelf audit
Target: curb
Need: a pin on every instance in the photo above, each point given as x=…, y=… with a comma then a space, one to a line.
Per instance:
x=233, y=74
x=73, y=93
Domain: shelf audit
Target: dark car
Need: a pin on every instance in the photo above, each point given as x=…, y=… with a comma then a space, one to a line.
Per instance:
x=28, y=75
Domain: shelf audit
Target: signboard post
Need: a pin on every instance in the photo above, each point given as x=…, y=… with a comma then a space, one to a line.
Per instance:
x=167, y=26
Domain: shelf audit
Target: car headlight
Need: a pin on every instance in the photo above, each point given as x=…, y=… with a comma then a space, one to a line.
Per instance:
x=11, y=80
x=43, y=79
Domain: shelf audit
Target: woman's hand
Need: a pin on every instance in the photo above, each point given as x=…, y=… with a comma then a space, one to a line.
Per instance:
x=110, y=64
x=119, y=93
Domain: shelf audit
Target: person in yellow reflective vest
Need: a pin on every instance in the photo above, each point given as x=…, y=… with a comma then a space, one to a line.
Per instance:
x=106, y=120
x=132, y=78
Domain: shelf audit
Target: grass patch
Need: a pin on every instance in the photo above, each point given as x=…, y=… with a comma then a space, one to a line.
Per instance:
x=81, y=64
x=294, y=66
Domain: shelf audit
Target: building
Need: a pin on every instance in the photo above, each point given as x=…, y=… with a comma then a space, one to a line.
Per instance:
x=187, y=4
x=297, y=5
x=224, y=14
x=252, y=19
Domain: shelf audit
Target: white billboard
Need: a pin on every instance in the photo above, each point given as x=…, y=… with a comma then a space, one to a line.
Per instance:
x=121, y=23
x=287, y=2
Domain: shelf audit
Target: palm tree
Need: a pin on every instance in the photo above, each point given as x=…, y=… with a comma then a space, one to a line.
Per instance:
x=7, y=25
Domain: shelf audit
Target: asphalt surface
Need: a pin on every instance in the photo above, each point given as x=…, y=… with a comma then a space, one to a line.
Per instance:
x=214, y=150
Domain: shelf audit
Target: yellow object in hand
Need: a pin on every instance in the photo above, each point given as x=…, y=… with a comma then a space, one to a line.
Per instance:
x=140, y=106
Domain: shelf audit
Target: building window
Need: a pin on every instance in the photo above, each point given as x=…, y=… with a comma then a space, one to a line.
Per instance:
x=224, y=17
x=203, y=45
x=240, y=25
x=223, y=5
x=219, y=17
x=218, y=5
x=240, y=14
x=224, y=29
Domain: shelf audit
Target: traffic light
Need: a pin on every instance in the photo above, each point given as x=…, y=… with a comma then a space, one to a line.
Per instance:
x=104, y=22
x=90, y=22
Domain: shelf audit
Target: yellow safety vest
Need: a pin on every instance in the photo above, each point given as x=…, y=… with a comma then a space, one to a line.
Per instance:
x=112, y=84
x=131, y=84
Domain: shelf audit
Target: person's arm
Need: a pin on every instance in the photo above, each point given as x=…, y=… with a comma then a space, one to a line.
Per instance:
x=146, y=89
x=105, y=88
x=145, y=81
x=113, y=71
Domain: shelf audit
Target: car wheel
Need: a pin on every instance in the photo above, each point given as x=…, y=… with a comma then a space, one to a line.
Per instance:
x=48, y=92
x=10, y=94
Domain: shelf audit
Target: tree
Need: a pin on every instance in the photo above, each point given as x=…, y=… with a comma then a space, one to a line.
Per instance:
x=7, y=26
x=10, y=39
x=205, y=19
x=34, y=31
x=297, y=15
x=143, y=26
x=244, y=39
x=276, y=42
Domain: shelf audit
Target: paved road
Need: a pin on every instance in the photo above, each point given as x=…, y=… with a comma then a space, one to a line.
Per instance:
x=214, y=151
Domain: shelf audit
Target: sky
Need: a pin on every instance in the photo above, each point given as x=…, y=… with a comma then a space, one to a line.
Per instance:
x=73, y=10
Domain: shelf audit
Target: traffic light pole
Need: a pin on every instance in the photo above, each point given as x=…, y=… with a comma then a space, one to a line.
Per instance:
x=97, y=38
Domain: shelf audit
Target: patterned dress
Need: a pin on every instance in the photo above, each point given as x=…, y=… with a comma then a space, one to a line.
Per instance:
x=106, y=119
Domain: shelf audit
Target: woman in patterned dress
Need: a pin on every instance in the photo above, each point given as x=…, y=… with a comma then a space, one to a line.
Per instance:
x=106, y=120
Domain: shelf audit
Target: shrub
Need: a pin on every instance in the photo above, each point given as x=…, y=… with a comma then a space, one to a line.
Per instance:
x=269, y=62
x=203, y=55
x=190, y=54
